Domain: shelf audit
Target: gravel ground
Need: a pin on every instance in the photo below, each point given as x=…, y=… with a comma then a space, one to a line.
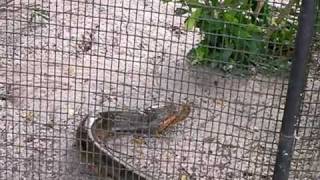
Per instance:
x=87, y=58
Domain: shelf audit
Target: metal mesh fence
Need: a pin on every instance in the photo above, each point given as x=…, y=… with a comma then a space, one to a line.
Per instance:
x=212, y=79
x=306, y=152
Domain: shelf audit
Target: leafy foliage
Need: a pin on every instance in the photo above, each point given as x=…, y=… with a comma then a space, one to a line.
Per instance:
x=245, y=35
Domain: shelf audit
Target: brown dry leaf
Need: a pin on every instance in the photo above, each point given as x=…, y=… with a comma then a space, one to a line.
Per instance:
x=158, y=134
x=71, y=71
x=49, y=124
x=138, y=140
x=140, y=153
x=260, y=4
x=125, y=108
x=184, y=177
x=29, y=116
x=220, y=102
x=168, y=155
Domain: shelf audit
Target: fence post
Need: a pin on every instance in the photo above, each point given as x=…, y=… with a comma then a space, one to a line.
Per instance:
x=295, y=90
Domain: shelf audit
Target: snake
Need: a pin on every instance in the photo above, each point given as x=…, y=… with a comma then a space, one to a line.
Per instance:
x=103, y=159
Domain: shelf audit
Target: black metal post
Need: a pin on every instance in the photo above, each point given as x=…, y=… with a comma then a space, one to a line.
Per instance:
x=295, y=90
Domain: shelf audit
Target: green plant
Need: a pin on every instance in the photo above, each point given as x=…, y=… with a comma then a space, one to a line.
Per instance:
x=240, y=35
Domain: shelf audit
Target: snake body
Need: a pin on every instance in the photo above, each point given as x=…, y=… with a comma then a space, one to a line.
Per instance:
x=104, y=165
x=92, y=131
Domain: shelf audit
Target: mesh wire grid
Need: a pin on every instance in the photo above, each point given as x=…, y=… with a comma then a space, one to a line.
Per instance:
x=307, y=147
x=64, y=59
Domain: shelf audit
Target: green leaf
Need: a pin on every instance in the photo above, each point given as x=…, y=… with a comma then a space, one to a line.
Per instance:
x=243, y=33
x=252, y=28
x=191, y=21
x=201, y=52
x=214, y=2
x=231, y=2
x=167, y=1
x=252, y=46
x=194, y=4
x=230, y=17
x=233, y=28
x=211, y=26
x=226, y=54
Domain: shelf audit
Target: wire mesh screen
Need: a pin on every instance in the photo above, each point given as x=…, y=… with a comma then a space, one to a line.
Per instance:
x=150, y=89
x=306, y=152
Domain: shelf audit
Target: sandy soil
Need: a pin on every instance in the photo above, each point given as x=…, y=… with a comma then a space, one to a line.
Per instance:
x=91, y=56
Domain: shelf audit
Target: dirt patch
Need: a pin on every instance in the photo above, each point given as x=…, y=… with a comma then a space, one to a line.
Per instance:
x=61, y=60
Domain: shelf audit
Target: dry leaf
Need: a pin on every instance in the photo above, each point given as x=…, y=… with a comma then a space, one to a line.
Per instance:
x=49, y=125
x=86, y=43
x=219, y=102
x=71, y=71
x=184, y=177
x=29, y=116
x=208, y=139
x=168, y=155
x=70, y=112
x=260, y=4
x=138, y=140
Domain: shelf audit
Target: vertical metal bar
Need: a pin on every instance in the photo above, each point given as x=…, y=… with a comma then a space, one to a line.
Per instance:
x=295, y=90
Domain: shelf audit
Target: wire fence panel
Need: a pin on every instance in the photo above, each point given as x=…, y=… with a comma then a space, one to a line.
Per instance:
x=306, y=157
x=151, y=89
